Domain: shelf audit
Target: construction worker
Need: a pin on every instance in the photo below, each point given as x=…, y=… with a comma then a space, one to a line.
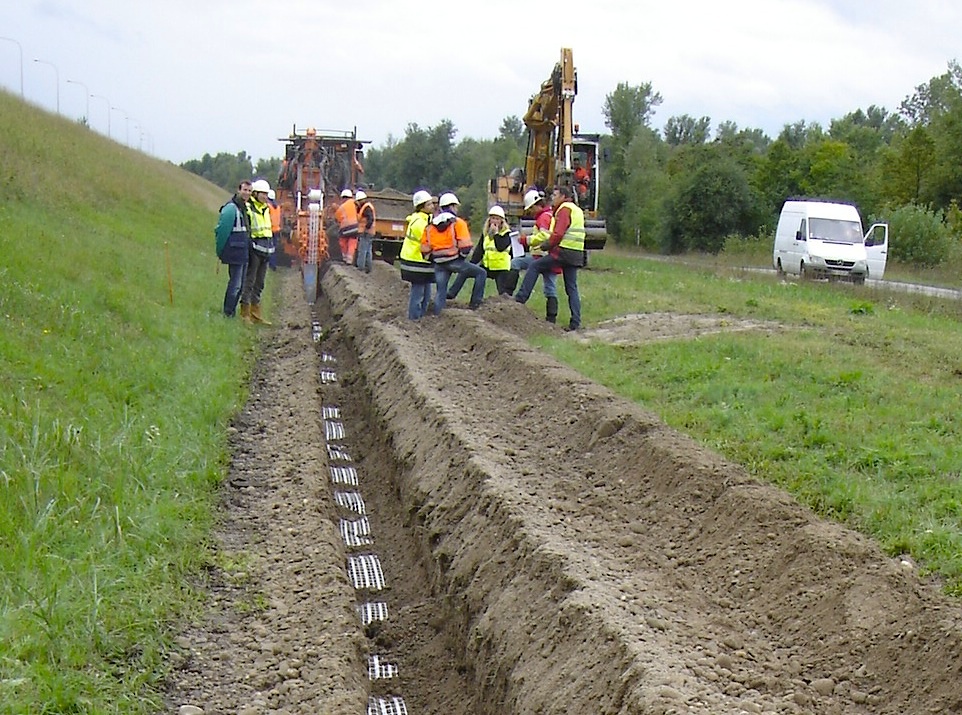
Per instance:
x=261, y=248
x=233, y=237
x=565, y=246
x=346, y=216
x=534, y=205
x=447, y=242
x=416, y=269
x=365, y=231
x=275, y=226
x=493, y=252
x=582, y=178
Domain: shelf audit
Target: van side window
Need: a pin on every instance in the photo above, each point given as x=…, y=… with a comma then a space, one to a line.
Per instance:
x=803, y=229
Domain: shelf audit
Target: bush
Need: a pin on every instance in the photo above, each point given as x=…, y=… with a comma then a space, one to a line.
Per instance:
x=918, y=236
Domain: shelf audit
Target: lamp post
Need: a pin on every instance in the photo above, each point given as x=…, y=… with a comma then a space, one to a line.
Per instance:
x=136, y=124
x=118, y=109
x=19, y=49
x=56, y=75
x=107, y=102
x=86, y=97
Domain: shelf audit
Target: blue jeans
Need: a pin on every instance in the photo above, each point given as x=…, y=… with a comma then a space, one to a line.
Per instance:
x=235, y=283
x=419, y=301
x=549, y=285
x=365, y=252
x=543, y=266
x=464, y=269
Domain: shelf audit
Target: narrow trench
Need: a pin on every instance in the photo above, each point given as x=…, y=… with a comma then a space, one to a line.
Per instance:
x=415, y=663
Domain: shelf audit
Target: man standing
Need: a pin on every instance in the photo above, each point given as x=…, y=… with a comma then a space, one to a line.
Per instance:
x=534, y=205
x=565, y=246
x=262, y=239
x=365, y=231
x=346, y=216
x=233, y=236
x=415, y=268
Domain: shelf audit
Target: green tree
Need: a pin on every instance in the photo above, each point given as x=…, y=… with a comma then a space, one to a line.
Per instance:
x=627, y=110
x=908, y=167
x=224, y=170
x=685, y=129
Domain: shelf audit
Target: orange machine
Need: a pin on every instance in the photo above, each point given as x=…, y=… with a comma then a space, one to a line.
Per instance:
x=556, y=154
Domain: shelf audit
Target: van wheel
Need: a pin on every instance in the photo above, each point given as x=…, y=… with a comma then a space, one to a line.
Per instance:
x=778, y=268
x=804, y=272
x=860, y=279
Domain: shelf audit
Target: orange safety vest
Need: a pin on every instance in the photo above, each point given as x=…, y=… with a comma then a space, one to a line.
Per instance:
x=444, y=246
x=360, y=217
x=346, y=216
x=275, y=218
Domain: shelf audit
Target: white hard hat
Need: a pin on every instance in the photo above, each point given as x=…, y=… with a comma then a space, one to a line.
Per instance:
x=271, y=195
x=442, y=218
x=421, y=197
x=496, y=211
x=260, y=185
x=347, y=194
x=360, y=195
x=448, y=199
x=531, y=198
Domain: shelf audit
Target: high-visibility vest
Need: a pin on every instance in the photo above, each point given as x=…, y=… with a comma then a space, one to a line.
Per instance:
x=574, y=238
x=346, y=216
x=261, y=232
x=447, y=245
x=275, y=218
x=362, y=226
x=411, y=248
x=493, y=259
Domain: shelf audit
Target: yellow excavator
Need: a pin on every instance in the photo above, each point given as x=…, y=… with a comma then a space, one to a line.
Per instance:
x=557, y=155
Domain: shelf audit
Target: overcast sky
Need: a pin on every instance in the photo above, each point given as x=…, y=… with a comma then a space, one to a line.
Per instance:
x=209, y=76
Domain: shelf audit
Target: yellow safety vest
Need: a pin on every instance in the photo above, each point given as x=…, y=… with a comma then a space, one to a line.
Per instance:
x=411, y=248
x=260, y=216
x=493, y=259
x=574, y=238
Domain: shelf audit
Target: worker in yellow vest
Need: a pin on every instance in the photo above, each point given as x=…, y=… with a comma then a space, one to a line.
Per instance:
x=261, y=248
x=416, y=269
x=565, y=246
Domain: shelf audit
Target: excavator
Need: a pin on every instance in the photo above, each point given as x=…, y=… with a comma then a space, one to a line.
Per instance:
x=557, y=155
x=316, y=167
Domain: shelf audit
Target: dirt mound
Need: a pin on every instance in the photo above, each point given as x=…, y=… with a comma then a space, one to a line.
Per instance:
x=573, y=554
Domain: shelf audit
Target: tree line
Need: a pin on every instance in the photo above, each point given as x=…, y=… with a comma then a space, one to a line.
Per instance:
x=695, y=187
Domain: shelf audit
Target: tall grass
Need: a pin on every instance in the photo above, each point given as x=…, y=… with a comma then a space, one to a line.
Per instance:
x=851, y=403
x=113, y=407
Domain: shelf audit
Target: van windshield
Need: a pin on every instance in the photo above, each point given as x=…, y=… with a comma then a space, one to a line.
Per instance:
x=829, y=229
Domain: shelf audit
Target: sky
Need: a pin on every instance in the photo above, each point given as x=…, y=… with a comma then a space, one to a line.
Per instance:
x=179, y=79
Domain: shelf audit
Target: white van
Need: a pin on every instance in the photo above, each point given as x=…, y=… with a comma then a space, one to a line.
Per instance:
x=823, y=239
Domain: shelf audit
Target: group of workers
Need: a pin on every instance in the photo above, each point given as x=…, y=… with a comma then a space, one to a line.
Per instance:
x=437, y=244
x=355, y=218
x=246, y=241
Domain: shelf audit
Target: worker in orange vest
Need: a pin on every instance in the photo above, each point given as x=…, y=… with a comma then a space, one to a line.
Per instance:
x=447, y=244
x=346, y=216
x=275, y=226
x=365, y=231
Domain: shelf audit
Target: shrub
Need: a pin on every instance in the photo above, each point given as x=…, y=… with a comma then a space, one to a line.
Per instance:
x=918, y=236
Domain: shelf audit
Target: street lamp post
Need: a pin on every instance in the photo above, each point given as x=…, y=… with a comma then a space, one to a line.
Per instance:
x=20, y=49
x=56, y=75
x=118, y=109
x=107, y=102
x=86, y=97
x=136, y=123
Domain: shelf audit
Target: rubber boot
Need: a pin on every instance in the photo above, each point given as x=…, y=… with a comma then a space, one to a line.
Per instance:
x=245, y=312
x=551, y=310
x=256, y=315
x=511, y=282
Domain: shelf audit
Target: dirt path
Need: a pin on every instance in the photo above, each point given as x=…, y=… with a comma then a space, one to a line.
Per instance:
x=547, y=547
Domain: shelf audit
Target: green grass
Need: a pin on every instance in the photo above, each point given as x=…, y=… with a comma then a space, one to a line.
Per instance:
x=113, y=408
x=852, y=405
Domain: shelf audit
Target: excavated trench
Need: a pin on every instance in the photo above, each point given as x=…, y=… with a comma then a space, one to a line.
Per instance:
x=585, y=558
x=491, y=533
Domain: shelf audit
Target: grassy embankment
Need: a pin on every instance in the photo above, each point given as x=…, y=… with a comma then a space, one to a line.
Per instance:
x=113, y=411
x=852, y=405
